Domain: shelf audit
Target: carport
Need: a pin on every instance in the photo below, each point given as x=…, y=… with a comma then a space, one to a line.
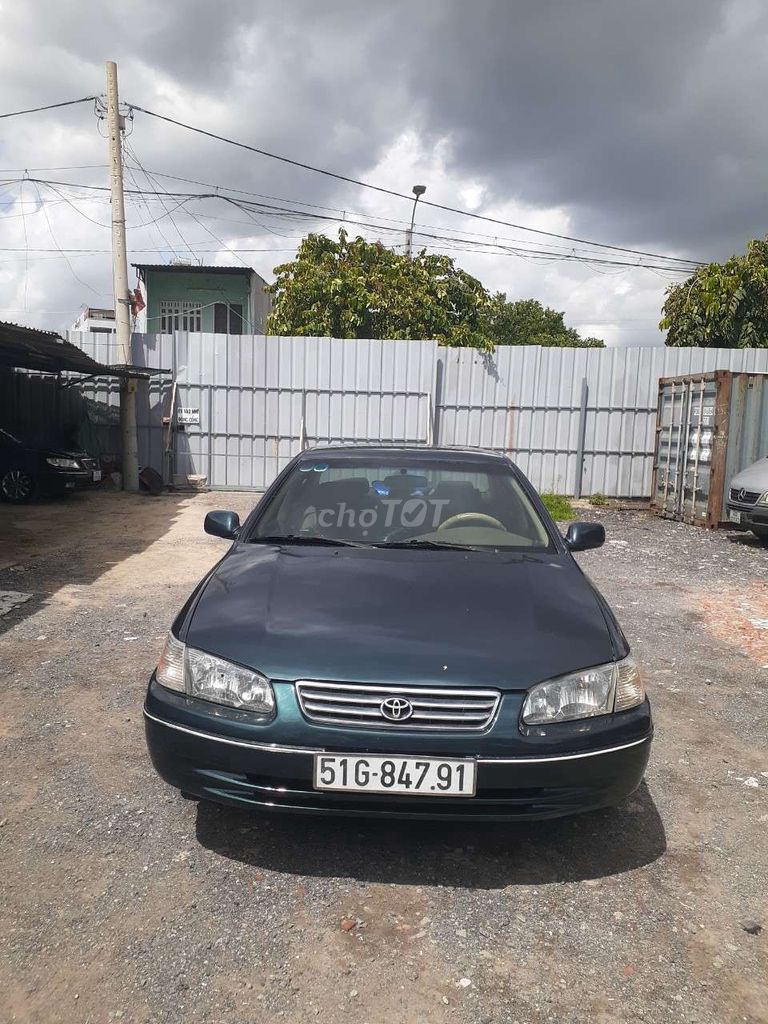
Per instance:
x=39, y=374
x=26, y=348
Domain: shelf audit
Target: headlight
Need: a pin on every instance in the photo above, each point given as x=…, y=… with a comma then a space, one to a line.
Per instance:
x=205, y=676
x=763, y=499
x=616, y=686
x=63, y=463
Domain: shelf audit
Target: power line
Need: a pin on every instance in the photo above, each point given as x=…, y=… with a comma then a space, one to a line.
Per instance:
x=70, y=167
x=160, y=231
x=131, y=153
x=359, y=183
x=458, y=244
x=55, y=242
x=400, y=195
x=345, y=219
x=49, y=106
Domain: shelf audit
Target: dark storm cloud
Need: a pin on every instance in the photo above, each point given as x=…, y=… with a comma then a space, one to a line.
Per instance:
x=641, y=120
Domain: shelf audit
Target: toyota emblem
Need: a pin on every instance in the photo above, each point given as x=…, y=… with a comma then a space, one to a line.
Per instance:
x=396, y=709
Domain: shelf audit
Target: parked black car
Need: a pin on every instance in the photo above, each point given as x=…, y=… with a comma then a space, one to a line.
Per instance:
x=400, y=632
x=27, y=471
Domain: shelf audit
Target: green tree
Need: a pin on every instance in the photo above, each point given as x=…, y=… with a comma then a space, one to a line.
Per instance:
x=722, y=305
x=527, y=322
x=359, y=289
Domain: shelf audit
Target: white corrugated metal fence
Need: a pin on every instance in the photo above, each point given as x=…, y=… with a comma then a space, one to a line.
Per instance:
x=575, y=421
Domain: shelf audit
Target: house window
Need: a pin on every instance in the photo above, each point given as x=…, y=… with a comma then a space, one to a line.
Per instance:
x=228, y=318
x=176, y=315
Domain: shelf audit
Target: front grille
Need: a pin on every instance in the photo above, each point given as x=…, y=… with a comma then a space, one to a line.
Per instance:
x=358, y=706
x=744, y=497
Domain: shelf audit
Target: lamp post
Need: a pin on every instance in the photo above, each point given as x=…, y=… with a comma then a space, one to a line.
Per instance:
x=418, y=191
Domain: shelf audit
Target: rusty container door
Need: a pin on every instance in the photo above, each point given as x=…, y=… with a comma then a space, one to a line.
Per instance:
x=690, y=450
x=708, y=428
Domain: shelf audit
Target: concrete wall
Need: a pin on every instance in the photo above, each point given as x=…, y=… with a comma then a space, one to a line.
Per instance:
x=206, y=289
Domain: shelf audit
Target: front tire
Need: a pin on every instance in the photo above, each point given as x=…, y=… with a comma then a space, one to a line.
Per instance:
x=17, y=486
x=761, y=532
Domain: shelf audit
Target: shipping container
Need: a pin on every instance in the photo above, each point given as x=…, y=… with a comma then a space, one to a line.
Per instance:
x=709, y=426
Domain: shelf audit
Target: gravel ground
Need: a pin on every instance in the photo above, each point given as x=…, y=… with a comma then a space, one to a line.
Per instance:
x=121, y=901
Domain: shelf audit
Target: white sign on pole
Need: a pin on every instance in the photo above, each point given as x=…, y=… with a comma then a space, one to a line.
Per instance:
x=187, y=415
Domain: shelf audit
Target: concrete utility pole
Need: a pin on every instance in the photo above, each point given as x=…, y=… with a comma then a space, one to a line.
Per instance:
x=128, y=435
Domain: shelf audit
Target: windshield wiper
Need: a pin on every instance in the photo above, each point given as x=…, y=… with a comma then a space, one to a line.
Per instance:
x=296, y=538
x=428, y=545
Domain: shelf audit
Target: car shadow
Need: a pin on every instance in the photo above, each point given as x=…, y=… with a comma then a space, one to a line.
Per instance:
x=747, y=539
x=473, y=855
x=73, y=539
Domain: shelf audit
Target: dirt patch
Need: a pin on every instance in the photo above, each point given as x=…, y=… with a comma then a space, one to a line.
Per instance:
x=122, y=902
x=739, y=617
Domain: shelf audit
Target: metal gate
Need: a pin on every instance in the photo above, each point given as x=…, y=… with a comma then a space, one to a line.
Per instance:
x=237, y=408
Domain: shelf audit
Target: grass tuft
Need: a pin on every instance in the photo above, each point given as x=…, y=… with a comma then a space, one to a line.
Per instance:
x=558, y=506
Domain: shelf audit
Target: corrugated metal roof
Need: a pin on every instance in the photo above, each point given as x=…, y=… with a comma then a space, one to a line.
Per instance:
x=26, y=348
x=194, y=268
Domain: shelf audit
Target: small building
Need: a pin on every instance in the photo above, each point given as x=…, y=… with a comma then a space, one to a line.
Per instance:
x=214, y=300
x=95, y=321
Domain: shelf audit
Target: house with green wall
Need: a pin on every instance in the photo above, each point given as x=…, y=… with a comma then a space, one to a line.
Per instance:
x=214, y=300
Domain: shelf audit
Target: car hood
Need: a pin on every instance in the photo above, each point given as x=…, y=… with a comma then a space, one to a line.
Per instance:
x=434, y=617
x=753, y=478
x=54, y=453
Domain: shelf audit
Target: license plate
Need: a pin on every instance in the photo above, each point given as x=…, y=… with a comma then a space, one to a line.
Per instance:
x=410, y=776
x=96, y=475
x=734, y=516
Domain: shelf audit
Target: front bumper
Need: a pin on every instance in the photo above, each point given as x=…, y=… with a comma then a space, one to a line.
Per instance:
x=214, y=753
x=62, y=480
x=750, y=515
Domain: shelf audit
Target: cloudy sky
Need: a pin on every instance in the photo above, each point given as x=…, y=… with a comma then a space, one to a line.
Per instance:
x=637, y=125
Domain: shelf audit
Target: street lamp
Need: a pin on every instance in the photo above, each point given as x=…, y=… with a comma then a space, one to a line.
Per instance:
x=418, y=191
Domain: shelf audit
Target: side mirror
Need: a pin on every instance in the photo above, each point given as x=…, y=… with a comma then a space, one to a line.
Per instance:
x=583, y=536
x=222, y=524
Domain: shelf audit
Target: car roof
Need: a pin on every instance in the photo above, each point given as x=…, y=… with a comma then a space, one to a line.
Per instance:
x=422, y=451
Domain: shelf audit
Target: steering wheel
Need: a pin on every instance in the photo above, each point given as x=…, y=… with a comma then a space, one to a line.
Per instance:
x=463, y=517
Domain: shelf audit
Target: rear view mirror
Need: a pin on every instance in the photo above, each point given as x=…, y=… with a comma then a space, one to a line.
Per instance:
x=222, y=524
x=583, y=536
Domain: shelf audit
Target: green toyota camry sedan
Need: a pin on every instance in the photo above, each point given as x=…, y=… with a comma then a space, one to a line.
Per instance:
x=399, y=632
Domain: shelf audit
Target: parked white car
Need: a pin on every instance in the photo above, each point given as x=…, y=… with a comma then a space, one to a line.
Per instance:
x=748, y=498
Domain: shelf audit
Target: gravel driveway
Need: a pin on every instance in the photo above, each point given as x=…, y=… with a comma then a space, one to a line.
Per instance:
x=121, y=901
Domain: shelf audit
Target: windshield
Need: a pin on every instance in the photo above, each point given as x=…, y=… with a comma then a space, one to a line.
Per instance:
x=392, y=500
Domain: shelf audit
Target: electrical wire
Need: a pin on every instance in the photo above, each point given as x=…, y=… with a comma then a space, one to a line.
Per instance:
x=131, y=153
x=49, y=106
x=456, y=243
x=55, y=242
x=400, y=195
x=161, y=233
x=347, y=213
x=70, y=167
x=368, y=185
x=569, y=254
